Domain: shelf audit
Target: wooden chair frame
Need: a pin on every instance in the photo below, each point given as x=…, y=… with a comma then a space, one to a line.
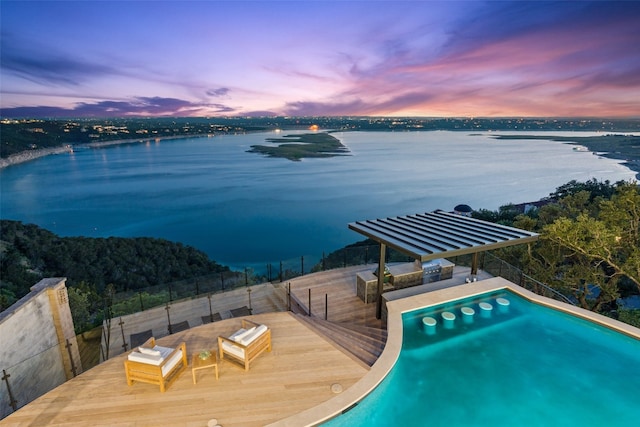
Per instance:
x=251, y=351
x=152, y=374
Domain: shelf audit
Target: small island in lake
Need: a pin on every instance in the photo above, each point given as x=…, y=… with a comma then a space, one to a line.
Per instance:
x=297, y=147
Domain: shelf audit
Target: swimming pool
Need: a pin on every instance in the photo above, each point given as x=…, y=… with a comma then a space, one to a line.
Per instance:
x=519, y=364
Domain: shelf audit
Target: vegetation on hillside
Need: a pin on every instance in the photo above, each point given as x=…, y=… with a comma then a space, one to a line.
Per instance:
x=34, y=134
x=29, y=253
x=589, y=248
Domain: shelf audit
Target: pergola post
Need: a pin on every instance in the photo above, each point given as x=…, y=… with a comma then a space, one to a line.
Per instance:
x=381, y=264
x=474, y=264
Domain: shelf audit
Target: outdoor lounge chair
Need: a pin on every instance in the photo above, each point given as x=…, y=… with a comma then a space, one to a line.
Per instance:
x=247, y=343
x=153, y=364
x=215, y=317
x=178, y=327
x=138, y=339
x=240, y=311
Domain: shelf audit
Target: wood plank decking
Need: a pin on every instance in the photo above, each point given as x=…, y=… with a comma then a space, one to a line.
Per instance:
x=334, y=292
x=295, y=376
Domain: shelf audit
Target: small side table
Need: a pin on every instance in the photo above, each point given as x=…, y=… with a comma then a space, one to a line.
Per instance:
x=198, y=363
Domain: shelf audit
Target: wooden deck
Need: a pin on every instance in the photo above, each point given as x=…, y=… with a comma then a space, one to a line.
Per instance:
x=295, y=376
x=333, y=293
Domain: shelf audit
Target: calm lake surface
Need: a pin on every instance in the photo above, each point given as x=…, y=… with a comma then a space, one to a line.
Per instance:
x=245, y=210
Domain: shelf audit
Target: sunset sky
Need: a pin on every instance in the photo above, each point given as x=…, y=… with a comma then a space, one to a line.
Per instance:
x=298, y=57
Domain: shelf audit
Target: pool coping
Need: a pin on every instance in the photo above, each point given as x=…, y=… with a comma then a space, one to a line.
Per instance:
x=337, y=405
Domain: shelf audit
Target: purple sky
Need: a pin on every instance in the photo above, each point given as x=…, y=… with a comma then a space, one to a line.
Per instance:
x=386, y=58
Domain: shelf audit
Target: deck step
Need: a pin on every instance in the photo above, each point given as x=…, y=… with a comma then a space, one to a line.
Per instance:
x=380, y=334
x=364, y=343
x=278, y=297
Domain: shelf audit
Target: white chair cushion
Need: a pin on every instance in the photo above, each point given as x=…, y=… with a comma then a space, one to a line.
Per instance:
x=173, y=361
x=236, y=333
x=149, y=351
x=136, y=356
x=233, y=349
x=239, y=336
x=164, y=351
x=158, y=356
x=253, y=335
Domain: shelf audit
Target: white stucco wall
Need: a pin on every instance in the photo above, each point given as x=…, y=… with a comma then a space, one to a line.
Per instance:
x=29, y=346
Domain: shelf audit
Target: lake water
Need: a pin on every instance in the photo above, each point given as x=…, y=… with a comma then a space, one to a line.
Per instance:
x=246, y=210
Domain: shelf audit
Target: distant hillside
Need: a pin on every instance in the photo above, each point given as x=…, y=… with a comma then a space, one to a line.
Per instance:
x=29, y=135
x=29, y=253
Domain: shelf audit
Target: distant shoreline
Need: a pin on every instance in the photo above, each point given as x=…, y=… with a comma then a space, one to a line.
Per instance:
x=633, y=164
x=26, y=156
x=619, y=147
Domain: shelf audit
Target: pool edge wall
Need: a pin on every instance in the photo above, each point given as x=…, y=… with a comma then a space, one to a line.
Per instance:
x=337, y=405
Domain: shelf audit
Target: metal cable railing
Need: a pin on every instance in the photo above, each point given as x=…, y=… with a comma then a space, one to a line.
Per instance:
x=500, y=268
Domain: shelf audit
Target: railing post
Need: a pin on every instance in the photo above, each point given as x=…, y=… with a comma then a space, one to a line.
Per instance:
x=210, y=310
x=73, y=365
x=107, y=340
x=326, y=306
x=381, y=265
x=167, y=307
x=12, y=401
x=289, y=296
x=124, y=341
x=309, y=302
x=222, y=279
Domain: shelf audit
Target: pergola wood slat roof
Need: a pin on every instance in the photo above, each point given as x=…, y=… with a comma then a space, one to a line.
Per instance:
x=440, y=234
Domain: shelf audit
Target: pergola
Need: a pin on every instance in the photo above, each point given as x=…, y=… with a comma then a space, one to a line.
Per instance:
x=438, y=234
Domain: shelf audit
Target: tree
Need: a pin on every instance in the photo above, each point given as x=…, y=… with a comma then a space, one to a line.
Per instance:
x=589, y=246
x=29, y=253
x=79, y=306
x=612, y=240
x=593, y=187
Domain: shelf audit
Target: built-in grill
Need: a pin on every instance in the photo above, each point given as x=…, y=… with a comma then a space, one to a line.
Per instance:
x=431, y=270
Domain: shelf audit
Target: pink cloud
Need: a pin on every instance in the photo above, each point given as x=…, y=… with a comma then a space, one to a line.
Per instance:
x=418, y=58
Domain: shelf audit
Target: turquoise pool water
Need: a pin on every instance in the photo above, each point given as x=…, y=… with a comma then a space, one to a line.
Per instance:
x=519, y=364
